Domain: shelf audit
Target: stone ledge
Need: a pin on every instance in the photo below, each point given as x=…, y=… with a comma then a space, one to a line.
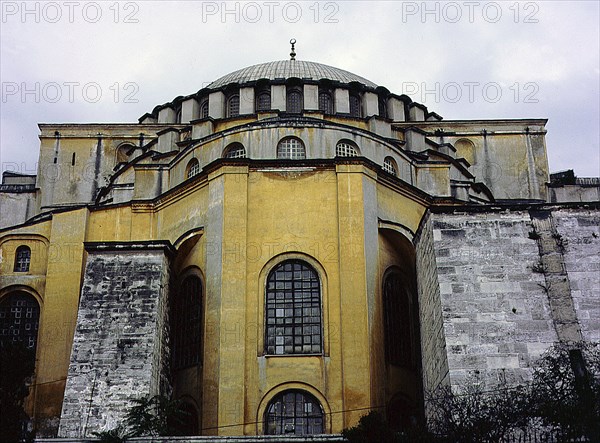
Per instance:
x=235, y=439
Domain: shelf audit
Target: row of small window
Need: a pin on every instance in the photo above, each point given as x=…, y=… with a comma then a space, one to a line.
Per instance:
x=294, y=103
x=292, y=148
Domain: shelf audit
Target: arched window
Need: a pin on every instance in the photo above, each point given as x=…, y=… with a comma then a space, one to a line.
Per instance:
x=19, y=319
x=293, y=309
x=233, y=106
x=291, y=148
x=235, y=150
x=389, y=166
x=178, y=115
x=193, y=168
x=355, y=106
x=294, y=412
x=186, y=323
x=382, y=107
x=325, y=102
x=22, y=259
x=346, y=149
x=204, y=109
x=263, y=101
x=294, y=101
x=397, y=313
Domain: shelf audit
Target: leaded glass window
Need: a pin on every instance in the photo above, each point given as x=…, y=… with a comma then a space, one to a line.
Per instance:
x=325, y=103
x=293, y=310
x=294, y=101
x=389, y=166
x=346, y=149
x=263, y=101
x=291, y=148
x=354, y=106
x=295, y=413
x=22, y=259
x=19, y=319
x=235, y=150
x=204, y=109
x=193, y=168
x=233, y=106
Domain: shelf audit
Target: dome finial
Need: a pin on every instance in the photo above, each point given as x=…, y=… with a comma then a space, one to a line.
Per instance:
x=293, y=53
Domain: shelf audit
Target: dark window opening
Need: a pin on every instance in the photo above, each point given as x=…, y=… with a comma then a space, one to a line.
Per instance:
x=293, y=310
x=294, y=413
x=355, y=106
x=186, y=322
x=204, y=109
x=325, y=103
x=233, y=106
x=397, y=322
x=263, y=101
x=294, y=101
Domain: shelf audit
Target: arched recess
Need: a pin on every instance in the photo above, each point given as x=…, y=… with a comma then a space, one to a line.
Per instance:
x=187, y=423
x=397, y=363
x=187, y=324
x=292, y=386
x=262, y=291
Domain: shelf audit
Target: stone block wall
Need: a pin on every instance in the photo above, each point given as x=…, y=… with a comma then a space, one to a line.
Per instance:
x=495, y=309
x=580, y=233
x=433, y=341
x=120, y=348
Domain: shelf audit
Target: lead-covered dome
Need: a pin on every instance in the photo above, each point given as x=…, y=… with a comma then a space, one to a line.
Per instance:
x=284, y=69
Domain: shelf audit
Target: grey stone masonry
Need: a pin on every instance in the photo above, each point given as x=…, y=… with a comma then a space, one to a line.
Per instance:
x=120, y=348
x=433, y=342
x=496, y=315
x=580, y=233
x=551, y=245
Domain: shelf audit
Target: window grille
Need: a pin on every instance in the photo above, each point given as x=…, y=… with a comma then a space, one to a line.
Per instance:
x=22, y=259
x=19, y=319
x=293, y=310
x=233, y=106
x=325, y=103
x=389, y=166
x=193, y=168
x=235, y=150
x=291, y=148
x=294, y=412
x=345, y=149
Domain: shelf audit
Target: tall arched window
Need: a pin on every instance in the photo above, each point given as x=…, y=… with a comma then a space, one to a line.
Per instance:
x=22, y=259
x=389, y=166
x=294, y=412
x=186, y=323
x=355, y=106
x=19, y=319
x=294, y=101
x=346, y=149
x=235, y=150
x=325, y=102
x=293, y=310
x=397, y=311
x=263, y=101
x=291, y=148
x=382, y=107
x=193, y=168
x=233, y=106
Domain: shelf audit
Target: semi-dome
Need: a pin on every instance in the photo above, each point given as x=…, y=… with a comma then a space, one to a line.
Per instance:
x=284, y=69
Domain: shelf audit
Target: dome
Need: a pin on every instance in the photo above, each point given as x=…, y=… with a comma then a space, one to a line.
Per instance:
x=289, y=68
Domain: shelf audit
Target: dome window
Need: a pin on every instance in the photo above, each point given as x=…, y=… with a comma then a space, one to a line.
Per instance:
x=233, y=106
x=193, y=168
x=263, y=101
x=325, y=103
x=390, y=166
x=355, y=106
x=294, y=101
x=346, y=149
x=291, y=148
x=204, y=109
x=235, y=150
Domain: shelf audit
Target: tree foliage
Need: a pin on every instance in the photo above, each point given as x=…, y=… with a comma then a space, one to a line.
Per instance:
x=562, y=403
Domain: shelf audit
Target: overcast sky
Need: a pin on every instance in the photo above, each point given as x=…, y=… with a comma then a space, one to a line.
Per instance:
x=109, y=61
